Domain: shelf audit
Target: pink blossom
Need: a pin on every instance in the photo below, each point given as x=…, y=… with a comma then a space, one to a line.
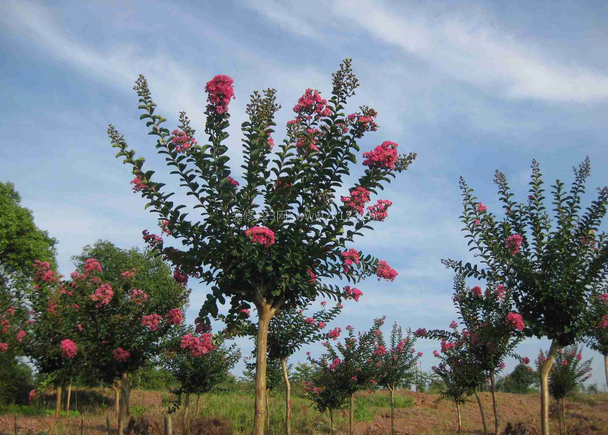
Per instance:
x=500, y=291
x=359, y=196
x=174, y=317
x=565, y=362
x=384, y=156
x=311, y=103
x=3, y=347
x=68, y=349
x=138, y=296
x=20, y=335
x=420, y=332
x=502, y=366
x=419, y=354
x=445, y=346
x=579, y=356
x=232, y=182
x=164, y=227
x=349, y=257
x=197, y=347
x=151, y=321
x=476, y=290
x=477, y=222
x=180, y=277
x=220, y=92
x=515, y=321
x=103, y=295
x=334, y=333
x=379, y=211
x=321, y=325
x=261, y=235
x=380, y=351
x=454, y=324
x=310, y=320
x=481, y=208
x=514, y=243
x=525, y=360
x=383, y=270
x=120, y=354
x=436, y=354
x=31, y=396
x=323, y=303
x=92, y=265
x=604, y=297
x=354, y=378
x=603, y=322
x=138, y=184
x=313, y=277
x=182, y=141
x=353, y=293
x=128, y=274
x=246, y=312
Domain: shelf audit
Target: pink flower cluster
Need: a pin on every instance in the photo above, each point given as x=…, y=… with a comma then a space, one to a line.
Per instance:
x=383, y=270
x=180, y=277
x=261, y=235
x=603, y=322
x=514, y=243
x=311, y=103
x=476, y=290
x=128, y=274
x=357, y=199
x=154, y=241
x=308, y=141
x=380, y=351
x=164, y=227
x=220, y=92
x=103, y=295
x=44, y=272
x=525, y=360
x=68, y=349
x=310, y=320
x=481, y=208
x=174, y=317
x=354, y=293
x=420, y=332
x=310, y=389
x=92, y=265
x=604, y=298
x=138, y=296
x=515, y=321
x=335, y=363
x=321, y=325
x=3, y=347
x=246, y=312
x=454, y=324
x=182, y=141
x=379, y=211
x=20, y=335
x=120, y=354
x=384, y=156
x=197, y=346
x=445, y=346
x=349, y=257
x=138, y=184
x=313, y=277
x=231, y=181
x=151, y=321
x=334, y=333
x=500, y=291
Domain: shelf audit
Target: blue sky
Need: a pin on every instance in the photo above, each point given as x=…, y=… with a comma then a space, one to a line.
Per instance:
x=472, y=87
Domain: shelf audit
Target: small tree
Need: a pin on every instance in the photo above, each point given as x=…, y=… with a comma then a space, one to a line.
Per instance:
x=281, y=257
x=551, y=269
x=597, y=336
x=397, y=364
x=519, y=380
x=198, y=363
x=568, y=372
x=348, y=368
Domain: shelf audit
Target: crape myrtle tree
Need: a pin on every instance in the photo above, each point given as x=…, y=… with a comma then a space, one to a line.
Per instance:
x=568, y=372
x=460, y=373
x=491, y=330
x=274, y=378
x=346, y=369
x=125, y=318
x=551, y=266
x=199, y=362
x=283, y=256
x=597, y=336
x=397, y=364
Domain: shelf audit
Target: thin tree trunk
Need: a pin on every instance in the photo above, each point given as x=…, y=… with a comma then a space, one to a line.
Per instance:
x=58, y=402
x=187, y=415
x=559, y=417
x=564, y=414
x=496, y=422
x=125, y=393
x=331, y=420
x=108, y=426
x=116, y=396
x=267, y=412
x=606, y=368
x=198, y=404
x=287, y=397
x=483, y=417
x=352, y=414
x=392, y=389
x=544, y=387
x=459, y=418
x=168, y=425
x=67, y=402
x=265, y=313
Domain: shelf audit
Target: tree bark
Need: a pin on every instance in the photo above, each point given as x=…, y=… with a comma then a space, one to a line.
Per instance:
x=267, y=412
x=544, y=388
x=352, y=414
x=496, y=422
x=265, y=313
x=198, y=404
x=459, y=418
x=564, y=414
x=67, y=402
x=125, y=393
x=559, y=417
x=187, y=415
x=58, y=402
x=331, y=420
x=483, y=417
x=168, y=425
x=606, y=368
x=392, y=410
x=116, y=396
x=287, y=397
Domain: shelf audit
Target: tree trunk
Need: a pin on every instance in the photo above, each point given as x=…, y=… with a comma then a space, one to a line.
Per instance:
x=116, y=396
x=187, y=415
x=392, y=389
x=483, y=417
x=265, y=313
x=125, y=393
x=606, y=369
x=559, y=417
x=67, y=402
x=564, y=414
x=287, y=397
x=544, y=388
x=459, y=418
x=331, y=420
x=267, y=412
x=496, y=422
x=352, y=414
x=58, y=402
x=168, y=425
x=198, y=404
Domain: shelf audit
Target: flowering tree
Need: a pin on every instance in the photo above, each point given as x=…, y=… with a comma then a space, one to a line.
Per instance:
x=568, y=371
x=551, y=270
x=491, y=331
x=199, y=362
x=125, y=310
x=397, y=364
x=460, y=372
x=281, y=257
x=348, y=368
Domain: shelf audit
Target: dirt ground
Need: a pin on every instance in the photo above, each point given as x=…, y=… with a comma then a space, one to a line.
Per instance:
x=426, y=417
